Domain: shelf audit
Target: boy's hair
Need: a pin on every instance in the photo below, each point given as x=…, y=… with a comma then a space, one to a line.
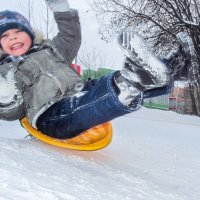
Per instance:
x=11, y=20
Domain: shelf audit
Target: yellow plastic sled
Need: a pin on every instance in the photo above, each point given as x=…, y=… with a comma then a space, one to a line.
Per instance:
x=93, y=139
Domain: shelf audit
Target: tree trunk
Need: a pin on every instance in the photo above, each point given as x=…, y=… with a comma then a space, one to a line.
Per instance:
x=195, y=97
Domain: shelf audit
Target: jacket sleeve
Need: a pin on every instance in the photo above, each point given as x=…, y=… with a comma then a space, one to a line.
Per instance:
x=11, y=101
x=68, y=39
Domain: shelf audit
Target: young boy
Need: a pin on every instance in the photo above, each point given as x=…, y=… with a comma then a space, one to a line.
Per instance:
x=37, y=82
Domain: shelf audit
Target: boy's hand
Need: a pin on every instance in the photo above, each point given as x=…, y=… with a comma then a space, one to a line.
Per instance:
x=58, y=5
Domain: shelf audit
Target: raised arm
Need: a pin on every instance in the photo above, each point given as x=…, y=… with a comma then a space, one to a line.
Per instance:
x=11, y=101
x=68, y=39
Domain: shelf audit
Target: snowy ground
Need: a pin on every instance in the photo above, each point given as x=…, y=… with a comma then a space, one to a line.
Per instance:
x=154, y=155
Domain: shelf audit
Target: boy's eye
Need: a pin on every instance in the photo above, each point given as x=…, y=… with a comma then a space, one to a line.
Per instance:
x=3, y=36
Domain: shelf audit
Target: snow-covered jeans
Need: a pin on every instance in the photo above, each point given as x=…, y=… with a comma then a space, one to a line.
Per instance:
x=95, y=104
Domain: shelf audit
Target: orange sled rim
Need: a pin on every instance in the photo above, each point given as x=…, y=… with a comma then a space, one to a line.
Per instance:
x=92, y=139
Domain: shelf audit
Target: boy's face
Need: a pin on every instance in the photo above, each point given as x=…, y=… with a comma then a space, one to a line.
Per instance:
x=15, y=42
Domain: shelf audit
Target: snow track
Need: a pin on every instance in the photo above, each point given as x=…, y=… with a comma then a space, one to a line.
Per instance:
x=147, y=159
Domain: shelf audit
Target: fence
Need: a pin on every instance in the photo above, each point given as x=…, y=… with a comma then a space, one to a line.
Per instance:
x=178, y=100
x=160, y=102
x=177, y=104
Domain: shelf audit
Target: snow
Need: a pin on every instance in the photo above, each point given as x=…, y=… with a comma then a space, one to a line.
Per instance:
x=7, y=88
x=153, y=155
x=181, y=84
x=155, y=66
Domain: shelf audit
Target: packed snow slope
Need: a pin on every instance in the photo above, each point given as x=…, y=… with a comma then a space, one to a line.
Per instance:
x=154, y=155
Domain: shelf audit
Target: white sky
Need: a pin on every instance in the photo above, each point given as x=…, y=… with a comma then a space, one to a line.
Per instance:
x=90, y=37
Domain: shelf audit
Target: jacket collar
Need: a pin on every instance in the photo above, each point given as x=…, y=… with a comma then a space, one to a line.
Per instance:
x=18, y=59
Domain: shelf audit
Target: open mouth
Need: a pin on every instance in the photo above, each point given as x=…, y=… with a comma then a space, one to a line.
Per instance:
x=16, y=46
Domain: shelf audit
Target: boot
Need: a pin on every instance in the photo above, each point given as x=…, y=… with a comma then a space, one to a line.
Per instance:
x=177, y=61
x=142, y=71
x=188, y=47
x=183, y=61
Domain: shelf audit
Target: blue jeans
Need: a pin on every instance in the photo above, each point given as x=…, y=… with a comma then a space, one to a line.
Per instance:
x=95, y=104
x=158, y=91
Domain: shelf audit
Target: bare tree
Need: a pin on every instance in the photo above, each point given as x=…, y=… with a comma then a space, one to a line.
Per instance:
x=27, y=7
x=91, y=60
x=40, y=17
x=48, y=20
x=158, y=21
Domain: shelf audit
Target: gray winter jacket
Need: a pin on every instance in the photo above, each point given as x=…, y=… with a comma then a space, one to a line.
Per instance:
x=43, y=76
